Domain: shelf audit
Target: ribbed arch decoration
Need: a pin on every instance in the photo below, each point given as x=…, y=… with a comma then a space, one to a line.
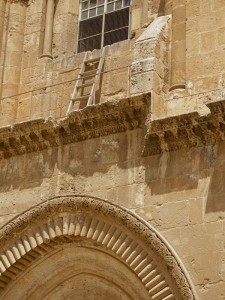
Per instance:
x=99, y=225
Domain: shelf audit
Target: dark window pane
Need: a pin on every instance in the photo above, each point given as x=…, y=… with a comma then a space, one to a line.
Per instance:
x=93, y=3
x=90, y=44
x=100, y=10
x=126, y=3
x=115, y=36
x=92, y=12
x=118, y=4
x=90, y=27
x=117, y=19
x=85, y=5
x=110, y=7
x=84, y=15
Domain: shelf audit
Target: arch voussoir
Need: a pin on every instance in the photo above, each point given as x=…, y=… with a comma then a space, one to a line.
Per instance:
x=69, y=219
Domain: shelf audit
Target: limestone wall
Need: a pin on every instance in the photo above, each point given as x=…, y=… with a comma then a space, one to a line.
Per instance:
x=180, y=193
x=30, y=81
x=204, y=57
x=179, y=188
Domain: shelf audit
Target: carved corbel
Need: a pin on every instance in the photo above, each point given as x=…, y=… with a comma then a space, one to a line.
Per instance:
x=24, y=2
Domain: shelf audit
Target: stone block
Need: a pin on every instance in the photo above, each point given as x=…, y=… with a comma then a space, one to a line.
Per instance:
x=208, y=41
x=156, y=30
x=210, y=291
x=221, y=36
x=204, y=273
x=147, y=49
x=218, y=5
x=33, y=22
x=141, y=66
x=8, y=106
x=205, y=7
x=23, y=111
x=119, y=88
x=192, y=9
x=136, y=19
x=193, y=44
x=196, y=210
x=193, y=239
x=141, y=83
x=12, y=75
x=32, y=42
x=167, y=215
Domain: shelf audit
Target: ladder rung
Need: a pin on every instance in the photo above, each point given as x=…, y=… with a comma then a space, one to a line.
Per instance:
x=85, y=85
x=80, y=98
x=88, y=73
x=97, y=59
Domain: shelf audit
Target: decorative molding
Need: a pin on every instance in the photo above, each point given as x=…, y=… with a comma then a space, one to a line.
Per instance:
x=186, y=131
x=26, y=2
x=163, y=135
x=65, y=218
x=90, y=122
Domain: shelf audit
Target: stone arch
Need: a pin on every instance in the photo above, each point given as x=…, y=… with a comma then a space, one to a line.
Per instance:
x=101, y=227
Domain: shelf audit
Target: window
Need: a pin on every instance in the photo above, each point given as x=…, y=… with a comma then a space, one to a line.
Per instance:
x=102, y=23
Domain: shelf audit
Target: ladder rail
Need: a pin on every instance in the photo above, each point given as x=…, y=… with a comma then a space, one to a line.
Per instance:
x=91, y=99
x=74, y=93
x=79, y=77
x=83, y=74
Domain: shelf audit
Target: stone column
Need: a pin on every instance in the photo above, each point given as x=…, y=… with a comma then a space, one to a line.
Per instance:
x=178, y=45
x=47, y=48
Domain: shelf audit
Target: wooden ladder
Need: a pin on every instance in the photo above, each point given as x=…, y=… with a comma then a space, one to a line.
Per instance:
x=88, y=80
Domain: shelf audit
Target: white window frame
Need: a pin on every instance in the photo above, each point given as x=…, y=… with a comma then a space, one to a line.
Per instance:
x=115, y=7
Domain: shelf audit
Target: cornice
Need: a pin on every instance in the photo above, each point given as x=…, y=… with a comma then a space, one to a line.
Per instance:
x=90, y=122
x=186, y=131
x=26, y=2
x=162, y=135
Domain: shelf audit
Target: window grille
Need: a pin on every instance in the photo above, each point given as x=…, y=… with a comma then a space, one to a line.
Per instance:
x=102, y=23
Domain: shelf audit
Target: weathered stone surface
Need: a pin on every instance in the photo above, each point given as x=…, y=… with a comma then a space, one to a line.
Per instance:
x=100, y=120
x=152, y=148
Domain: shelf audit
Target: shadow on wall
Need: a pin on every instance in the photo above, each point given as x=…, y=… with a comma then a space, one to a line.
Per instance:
x=79, y=159
x=184, y=169
x=216, y=193
x=163, y=174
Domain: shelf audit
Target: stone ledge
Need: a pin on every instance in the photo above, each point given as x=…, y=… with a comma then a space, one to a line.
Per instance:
x=90, y=122
x=163, y=135
x=186, y=131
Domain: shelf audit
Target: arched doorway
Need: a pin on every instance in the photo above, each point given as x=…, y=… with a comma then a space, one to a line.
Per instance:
x=80, y=247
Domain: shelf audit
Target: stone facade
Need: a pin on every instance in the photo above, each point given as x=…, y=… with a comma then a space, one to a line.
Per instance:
x=124, y=198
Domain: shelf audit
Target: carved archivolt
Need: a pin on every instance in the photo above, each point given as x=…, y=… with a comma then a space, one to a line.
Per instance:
x=64, y=219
